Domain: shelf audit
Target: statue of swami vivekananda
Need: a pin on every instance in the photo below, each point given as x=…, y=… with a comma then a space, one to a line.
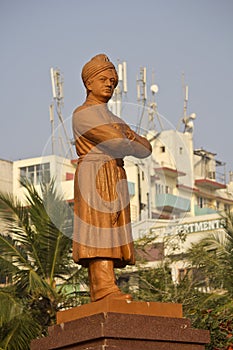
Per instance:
x=102, y=237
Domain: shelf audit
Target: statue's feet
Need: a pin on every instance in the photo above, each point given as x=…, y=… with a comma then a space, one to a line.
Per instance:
x=118, y=296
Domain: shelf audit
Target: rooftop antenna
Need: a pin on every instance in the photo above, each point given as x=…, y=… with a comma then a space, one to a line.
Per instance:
x=124, y=66
x=58, y=102
x=141, y=93
x=51, y=114
x=186, y=119
x=186, y=96
x=115, y=104
x=153, y=110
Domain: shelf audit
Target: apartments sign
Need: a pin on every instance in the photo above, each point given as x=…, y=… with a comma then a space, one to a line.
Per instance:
x=201, y=226
x=192, y=227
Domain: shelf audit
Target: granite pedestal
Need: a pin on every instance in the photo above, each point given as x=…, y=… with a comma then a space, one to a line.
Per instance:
x=121, y=325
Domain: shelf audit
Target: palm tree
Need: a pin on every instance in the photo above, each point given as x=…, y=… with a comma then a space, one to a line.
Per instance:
x=17, y=326
x=36, y=256
x=205, y=291
x=214, y=257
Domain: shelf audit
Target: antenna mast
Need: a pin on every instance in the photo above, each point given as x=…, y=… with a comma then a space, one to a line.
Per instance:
x=115, y=104
x=58, y=102
x=186, y=119
x=186, y=92
x=51, y=114
x=141, y=93
x=153, y=110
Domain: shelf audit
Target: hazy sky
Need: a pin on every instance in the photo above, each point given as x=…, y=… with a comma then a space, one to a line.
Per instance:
x=167, y=36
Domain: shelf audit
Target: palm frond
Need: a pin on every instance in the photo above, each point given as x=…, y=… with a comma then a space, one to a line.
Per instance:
x=36, y=253
x=18, y=333
x=9, y=307
x=38, y=285
x=13, y=253
x=49, y=216
x=17, y=327
x=11, y=207
x=38, y=229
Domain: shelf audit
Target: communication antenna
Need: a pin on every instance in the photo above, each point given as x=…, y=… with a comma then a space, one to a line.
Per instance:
x=120, y=71
x=141, y=93
x=141, y=86
x=186, y=119
x=153, y=107
x=115, y=104
x=153, y=110
x=125, y=89
x=186, y=97
x=51, y=115
x=58, y=102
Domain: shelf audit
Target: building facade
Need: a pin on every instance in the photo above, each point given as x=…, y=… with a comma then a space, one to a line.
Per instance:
x=176, y=189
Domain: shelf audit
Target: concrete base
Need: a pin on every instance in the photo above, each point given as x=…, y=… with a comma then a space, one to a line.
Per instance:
x=127, y=329
x=123, y=307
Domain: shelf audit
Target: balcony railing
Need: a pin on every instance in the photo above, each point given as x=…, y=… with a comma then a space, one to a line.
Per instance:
x=131, y=187
x=203, y=211
x=169, y=202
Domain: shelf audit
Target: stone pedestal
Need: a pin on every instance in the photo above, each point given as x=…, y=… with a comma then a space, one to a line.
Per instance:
x=121, y=325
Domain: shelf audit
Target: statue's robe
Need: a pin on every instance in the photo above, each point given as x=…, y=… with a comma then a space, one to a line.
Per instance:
x=102, y=226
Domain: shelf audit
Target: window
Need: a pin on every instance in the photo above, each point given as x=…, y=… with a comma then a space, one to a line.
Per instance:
x=200, y=202
x=181, y=274
x=159, y=188
x=193, y=274
x=36, y=173
x=162, y=149
x=30, y=173
x=45, y=173
x=203, y=202
x=23, y=173
x=211, y=175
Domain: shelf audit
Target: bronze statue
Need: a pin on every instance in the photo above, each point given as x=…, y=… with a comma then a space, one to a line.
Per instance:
x=102, y=237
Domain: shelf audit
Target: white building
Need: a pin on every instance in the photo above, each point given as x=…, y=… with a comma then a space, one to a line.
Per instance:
x=177, y=181
x=184, y=193
x=44, y=169
x=174, y=183
x=6, y=175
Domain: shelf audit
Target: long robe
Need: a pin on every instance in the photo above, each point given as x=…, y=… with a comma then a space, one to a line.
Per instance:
x=102, y=227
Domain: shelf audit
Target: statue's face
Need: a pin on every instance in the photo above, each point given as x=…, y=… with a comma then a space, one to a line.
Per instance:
x=102, y=85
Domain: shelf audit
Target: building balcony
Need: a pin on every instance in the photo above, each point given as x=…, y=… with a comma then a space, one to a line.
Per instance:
x=203, y=211
x=168, y=171
x=131, y=188
x=171, y=203
x=210, y=184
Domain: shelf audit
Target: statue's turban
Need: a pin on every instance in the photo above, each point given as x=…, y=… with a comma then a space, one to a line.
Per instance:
x=96, y=65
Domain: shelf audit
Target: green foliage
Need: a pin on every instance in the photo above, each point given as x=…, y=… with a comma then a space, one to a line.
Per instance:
x=35, y=256
x=214, y=255
x=17, y=327
x=206, y=288
x=215, y=315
